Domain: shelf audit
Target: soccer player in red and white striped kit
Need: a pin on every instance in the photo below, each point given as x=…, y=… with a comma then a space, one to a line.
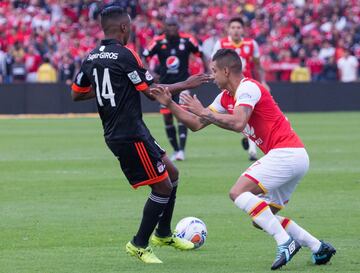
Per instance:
x=266, y=186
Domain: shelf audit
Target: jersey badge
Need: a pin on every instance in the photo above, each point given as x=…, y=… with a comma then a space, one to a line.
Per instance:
x=246, y=49
x=148, y=76
x=134, y=77
x=160, y=167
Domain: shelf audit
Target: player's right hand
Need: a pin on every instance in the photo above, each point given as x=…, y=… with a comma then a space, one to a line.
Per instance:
x=197, y=80
x=161, y=94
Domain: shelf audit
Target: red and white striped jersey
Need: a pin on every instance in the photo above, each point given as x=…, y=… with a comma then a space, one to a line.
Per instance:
x=268, y=127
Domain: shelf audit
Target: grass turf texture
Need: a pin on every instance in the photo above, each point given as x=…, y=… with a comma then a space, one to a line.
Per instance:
x=65, y=206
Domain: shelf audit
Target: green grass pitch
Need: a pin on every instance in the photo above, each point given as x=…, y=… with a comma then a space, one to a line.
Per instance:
x=65, y=206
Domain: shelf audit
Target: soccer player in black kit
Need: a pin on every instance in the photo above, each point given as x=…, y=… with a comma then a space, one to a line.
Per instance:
x=173, y=49
x=115, y=75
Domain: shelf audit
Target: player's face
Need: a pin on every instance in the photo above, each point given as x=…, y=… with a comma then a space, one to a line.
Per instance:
x=171, y=30
x=127, y=29
x=236, y=31
x=219, y=75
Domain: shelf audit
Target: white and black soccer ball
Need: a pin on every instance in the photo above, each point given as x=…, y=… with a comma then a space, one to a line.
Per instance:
x=192, y=229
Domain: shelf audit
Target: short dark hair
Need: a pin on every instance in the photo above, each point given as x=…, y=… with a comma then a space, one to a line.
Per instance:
x=228, y=58
x=236, y=19
x=110, y=14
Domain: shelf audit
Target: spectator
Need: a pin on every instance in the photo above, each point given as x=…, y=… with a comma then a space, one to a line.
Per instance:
x=326, y=50
x=67, y=69
x=32, y=63
x=348, y=67
x=18, y=70
x=46, y=72
x=53, y=27
x=330, y=69
x=2, y=65
x=300, y=73
x=18, y=52
x=315, y=64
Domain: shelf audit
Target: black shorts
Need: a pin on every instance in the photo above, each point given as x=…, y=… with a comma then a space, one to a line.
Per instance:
x=140, y=160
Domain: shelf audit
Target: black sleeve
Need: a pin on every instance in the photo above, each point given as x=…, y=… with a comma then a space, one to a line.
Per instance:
x=135, y=71
x=194, y=46
x=81, y=82
x=151, y=50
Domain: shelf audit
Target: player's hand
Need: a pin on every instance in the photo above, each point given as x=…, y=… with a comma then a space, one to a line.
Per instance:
x=197, y=80
x=161, y=94
x=192, y=104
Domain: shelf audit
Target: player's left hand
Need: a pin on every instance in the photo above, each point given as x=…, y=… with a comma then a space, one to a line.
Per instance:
x=192, y=104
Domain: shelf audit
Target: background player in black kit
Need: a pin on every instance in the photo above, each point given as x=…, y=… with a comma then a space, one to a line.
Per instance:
x=114, y=75
x=173, y=49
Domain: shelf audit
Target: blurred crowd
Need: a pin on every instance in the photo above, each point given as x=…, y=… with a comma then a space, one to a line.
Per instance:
x=313, y=40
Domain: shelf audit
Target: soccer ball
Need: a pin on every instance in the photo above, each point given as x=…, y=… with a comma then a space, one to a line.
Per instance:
x=192, y=229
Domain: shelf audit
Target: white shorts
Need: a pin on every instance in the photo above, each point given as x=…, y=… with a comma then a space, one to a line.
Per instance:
x=278, y=173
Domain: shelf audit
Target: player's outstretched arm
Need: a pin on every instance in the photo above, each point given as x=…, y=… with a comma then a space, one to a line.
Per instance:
x=192, y=82
x=163, y=96
x=235, y=122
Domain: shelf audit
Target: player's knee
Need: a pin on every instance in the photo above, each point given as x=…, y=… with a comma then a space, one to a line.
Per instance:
x=174, y=174
x=233, y=194
x=165, y=187
x=171, y=169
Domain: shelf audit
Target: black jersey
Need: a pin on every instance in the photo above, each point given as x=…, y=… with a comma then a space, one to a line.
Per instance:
x=117, y=75
x=173, y=56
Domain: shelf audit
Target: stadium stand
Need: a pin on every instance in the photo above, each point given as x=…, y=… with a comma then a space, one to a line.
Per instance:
x=290, y=32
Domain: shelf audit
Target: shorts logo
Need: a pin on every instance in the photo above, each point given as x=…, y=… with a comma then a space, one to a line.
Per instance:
x=148, y=76
x=160, y=167
x=173, y=63
x=134, y=77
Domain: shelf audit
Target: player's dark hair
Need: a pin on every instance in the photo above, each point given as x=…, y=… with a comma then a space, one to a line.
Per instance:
x=111, y=14
x=236, y=19
x=228, y=58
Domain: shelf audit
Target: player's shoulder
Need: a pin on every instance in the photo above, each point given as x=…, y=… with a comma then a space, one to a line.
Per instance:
x=130, y=54
x=158, y=39
x=249, y=85
x=249, y=41
x=189, y=37
x=185, y=35
x=225, y=41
